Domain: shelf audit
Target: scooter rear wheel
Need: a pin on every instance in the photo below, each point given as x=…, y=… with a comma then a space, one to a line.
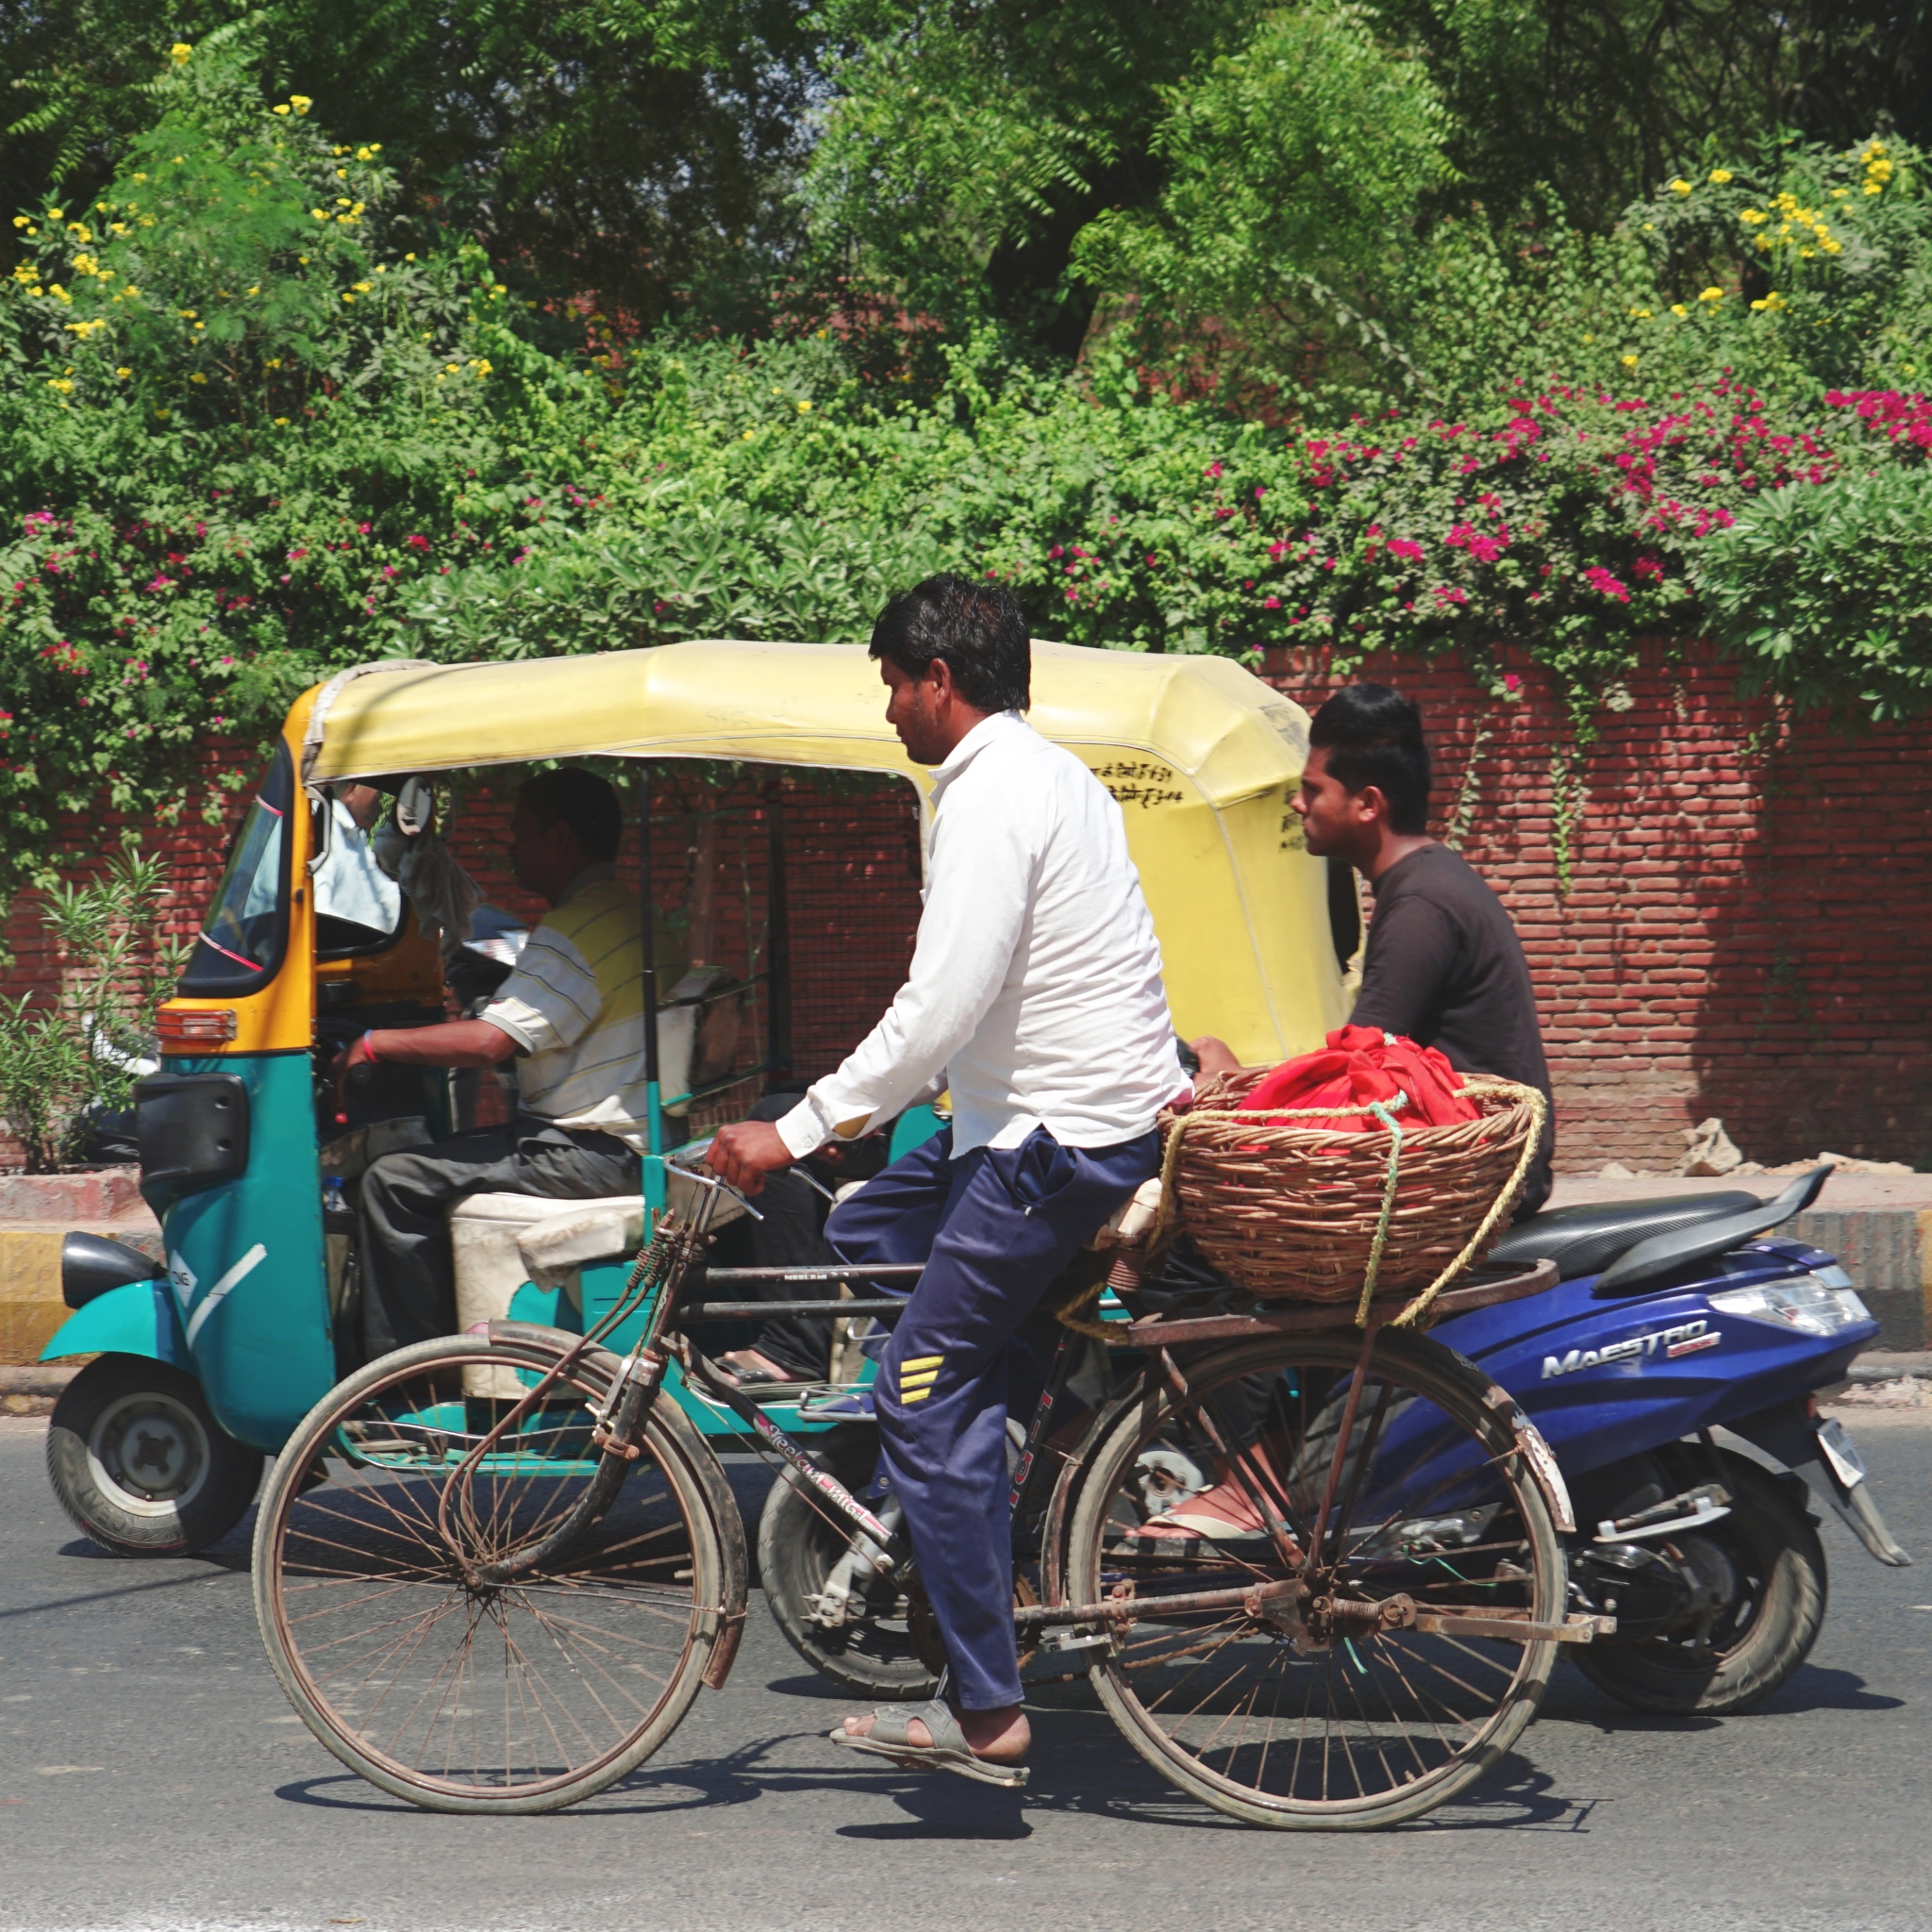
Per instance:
x=461, y=1695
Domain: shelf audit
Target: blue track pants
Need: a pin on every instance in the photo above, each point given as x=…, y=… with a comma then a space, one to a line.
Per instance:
x=993, y=1227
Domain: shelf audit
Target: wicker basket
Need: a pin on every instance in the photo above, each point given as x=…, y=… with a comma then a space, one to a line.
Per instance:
x=1291, y=1212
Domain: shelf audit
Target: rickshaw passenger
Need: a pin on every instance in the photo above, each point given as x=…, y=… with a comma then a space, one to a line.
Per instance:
x=574, y=1012
x=1035, y=992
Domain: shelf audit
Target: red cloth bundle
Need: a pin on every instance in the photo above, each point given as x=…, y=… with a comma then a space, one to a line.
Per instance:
x=1363, y=1064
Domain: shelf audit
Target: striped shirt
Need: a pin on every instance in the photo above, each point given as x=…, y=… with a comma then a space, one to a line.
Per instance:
x=575, y=1008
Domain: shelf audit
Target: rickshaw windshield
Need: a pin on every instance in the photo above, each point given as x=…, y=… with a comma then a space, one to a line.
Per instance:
x=247, y=927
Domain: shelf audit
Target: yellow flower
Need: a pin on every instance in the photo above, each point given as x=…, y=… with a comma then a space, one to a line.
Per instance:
x=26, y=273
x=23, y=221
x=1840, y=194
x=279, y=111
x=375, y=147
x=180, y=53
x=804, y=408
x=1719, y=175
x=1678, y=310
x=141, y=178
x=1834, y=248
x=60, y=383
x=321, y=214
x=257, y=290
x=1629, y=361
x=301, y=103
x=409, y=257
x=346, y=296
x=1680, y=186
x=481, y=365
x=341, y=173
x=342, y=201
x=59, y=293
x=1771, y=300
x=198, y=378
x=161, y=415
x=362, y=154
x=186, y=314
x=281, y=421
x=361, y=288
x=748, y=435
x=452, y=367
x=1874, y=188
x=272, y=362
x=86, y=265
x=1753, y=215
x=1713, y=295
x=80, y=232
x=117, y=227
x=124, y=373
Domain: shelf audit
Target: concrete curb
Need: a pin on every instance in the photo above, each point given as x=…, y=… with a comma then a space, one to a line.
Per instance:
x=31, y=1307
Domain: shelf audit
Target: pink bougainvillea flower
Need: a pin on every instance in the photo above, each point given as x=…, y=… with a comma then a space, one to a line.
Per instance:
x=1511, y=682
x=1271, y=603
x=1403, y=547
x=1600, y=580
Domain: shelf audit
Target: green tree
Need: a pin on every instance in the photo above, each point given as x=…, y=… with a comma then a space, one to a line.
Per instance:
x=1294, y=172
x=640, y=154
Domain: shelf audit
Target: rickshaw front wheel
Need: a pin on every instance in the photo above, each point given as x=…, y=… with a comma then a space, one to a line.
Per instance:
x=141, y=1465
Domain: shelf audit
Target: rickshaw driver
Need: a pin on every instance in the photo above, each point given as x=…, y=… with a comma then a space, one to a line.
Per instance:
x=1035, y=992
x=574, y=1010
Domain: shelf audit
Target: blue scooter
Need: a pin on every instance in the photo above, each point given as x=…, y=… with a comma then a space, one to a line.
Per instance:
x=1673, y=1318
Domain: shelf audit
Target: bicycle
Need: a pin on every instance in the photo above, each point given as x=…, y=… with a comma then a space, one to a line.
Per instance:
x=492, y=1571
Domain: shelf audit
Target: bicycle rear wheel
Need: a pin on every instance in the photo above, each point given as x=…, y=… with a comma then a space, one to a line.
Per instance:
x=468, y=1696
x=1367, y=1690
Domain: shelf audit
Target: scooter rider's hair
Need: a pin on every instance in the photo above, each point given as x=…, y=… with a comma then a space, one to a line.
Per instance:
x=977, y=630
x=1373, y=736
x=581, y=800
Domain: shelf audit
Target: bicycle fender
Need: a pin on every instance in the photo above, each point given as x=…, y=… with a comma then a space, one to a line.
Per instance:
x=1538, y=1454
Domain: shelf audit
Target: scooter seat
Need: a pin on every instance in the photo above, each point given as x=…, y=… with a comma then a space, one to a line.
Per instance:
x=1585, y=1240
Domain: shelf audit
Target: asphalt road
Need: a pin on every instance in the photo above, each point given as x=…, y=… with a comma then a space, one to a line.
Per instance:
x=151, y=1777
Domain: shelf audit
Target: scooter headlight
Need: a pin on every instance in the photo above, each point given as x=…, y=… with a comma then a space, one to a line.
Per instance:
x=1819, y=1304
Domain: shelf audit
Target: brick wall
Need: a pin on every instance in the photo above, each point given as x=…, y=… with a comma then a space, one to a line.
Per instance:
x=1747, y=933
x=1750, y=917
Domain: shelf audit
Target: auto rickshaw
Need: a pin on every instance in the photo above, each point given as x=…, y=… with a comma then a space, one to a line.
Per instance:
x=201, y=1370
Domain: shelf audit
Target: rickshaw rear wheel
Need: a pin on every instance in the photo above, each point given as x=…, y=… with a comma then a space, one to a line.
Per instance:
x=141, y=1465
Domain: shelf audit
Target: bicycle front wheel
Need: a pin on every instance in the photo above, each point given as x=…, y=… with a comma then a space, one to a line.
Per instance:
x=1359, y=1689
x=467, y=1695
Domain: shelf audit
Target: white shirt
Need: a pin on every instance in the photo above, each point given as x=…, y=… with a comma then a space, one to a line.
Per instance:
x=575, y=1005
x=1035, y=991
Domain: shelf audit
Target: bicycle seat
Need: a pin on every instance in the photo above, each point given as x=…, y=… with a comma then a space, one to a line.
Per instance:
x=1585, y=1240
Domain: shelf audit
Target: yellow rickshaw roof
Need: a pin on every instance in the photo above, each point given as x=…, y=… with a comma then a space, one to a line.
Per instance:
x=815, y=704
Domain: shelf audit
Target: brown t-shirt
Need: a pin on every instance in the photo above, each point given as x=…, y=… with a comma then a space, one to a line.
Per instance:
x=1444, y=967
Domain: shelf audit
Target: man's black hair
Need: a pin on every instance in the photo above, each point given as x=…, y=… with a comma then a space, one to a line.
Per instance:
x=1373, y=736
x=977, y=630
x=581, y=800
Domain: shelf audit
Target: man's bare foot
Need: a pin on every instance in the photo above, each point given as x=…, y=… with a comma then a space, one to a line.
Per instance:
x=742, y=1361
x=1000, y=1737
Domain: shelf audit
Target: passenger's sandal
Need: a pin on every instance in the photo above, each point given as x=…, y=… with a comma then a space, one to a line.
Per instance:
x=892, y=1737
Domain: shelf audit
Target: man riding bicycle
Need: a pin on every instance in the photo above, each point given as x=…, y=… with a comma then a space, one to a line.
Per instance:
x=1035, y=994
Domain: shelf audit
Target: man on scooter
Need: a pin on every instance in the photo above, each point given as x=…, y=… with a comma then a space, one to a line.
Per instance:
x=1444, y=964
x=1034, y=994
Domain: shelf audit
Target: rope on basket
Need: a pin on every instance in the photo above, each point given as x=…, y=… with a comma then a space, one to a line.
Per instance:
x=1507, y=1196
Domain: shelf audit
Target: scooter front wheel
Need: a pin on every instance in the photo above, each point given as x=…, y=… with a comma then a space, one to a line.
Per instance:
x=422, y=1676
x=1761, y=1576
